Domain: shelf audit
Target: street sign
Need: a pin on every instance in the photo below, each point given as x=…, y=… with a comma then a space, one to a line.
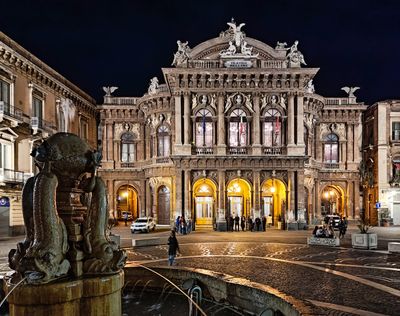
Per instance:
x=378, y=205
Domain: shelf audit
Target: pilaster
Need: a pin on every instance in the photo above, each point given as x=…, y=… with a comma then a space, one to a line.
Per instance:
x=221, y=146
x=256, y=150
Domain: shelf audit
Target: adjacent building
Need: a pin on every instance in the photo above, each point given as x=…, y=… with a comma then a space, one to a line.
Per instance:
x=35, y=102
x=236, y=129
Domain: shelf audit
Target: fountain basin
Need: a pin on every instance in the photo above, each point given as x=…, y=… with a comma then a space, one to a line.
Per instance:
x=249, y=296
x=89, y=296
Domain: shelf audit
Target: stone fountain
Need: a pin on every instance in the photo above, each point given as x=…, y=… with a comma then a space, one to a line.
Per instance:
x=69, y=264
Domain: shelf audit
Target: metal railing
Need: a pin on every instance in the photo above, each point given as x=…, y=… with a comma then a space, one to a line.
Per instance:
x=331, y=165
x=38, y=123
x=337, y=101
x=10, y=175
x=162, y=160
x=10, y=110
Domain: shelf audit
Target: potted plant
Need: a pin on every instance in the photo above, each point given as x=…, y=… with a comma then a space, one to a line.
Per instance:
x=364, y=239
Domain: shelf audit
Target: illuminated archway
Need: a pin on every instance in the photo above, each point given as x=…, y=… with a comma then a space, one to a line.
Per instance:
x=204, y=198
x=239, y=198
x=332, y=200
x=127, y=201
x=273, y=199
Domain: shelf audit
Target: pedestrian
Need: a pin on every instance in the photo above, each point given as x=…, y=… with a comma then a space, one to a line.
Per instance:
x=243, y=222
x=177, y=223
x=231, y=223
x=250, y=221
x=342, y=227
x=173, y=248
x=258, y=223
x=126, y=218
x=237, y=218
x=264, y=222
x=183, y=225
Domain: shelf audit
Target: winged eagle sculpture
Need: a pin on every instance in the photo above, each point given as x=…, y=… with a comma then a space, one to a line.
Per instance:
x=350, y=91
x=109, y=90
x=237, y=33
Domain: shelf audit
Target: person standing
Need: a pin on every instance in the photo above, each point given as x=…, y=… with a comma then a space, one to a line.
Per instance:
x=237, y=222
x=126, y=218
x=258, y=223
x=250, y=221
x=242, y=222
x=264, y=222
x=173, y=248
x=177, y=224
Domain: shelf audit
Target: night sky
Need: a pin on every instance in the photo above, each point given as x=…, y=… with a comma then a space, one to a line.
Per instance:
x=125, y=43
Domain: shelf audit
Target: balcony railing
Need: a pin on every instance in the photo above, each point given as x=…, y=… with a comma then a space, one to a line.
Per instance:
x=37, y=123
x=162, y=160
x=10, y=110
x=331, y=165
x=238, y=150
x=13, y=176
x=199, y=63
x=203, y=151
x=273, y=151
x=127, y=164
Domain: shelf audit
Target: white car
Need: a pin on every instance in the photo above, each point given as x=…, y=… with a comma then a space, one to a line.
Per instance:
x=143, y=224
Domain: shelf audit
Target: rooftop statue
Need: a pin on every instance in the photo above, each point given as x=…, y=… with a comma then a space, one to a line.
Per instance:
x=109, y=90
x=281, y=46
x=63, y=236
x=153, y=87
x=295, y=58
x=310, y=86
x=182, y=55
x=350, y=91
x=237, y=45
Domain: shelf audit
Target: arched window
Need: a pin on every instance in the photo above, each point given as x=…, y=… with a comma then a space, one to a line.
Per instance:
x=272, y=128
x=128, y=147
x=238, y=128
x=163, y=141
x=331, y=149
x=204, y=129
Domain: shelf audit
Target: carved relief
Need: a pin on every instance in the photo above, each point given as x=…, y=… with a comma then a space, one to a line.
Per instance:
x=155, y=182
x=336, y=128
x=235, y=99
x=121, y=128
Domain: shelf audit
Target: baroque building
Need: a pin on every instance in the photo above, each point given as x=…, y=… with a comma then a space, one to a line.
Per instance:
x=380, y=166
x=35, y=102
x=236, y=129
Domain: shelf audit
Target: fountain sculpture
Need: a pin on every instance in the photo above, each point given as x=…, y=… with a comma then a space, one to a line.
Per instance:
x=70, y=265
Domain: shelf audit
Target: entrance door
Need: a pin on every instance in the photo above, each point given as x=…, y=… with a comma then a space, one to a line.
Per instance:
x=236, y=205
x=204, y=210
x=267, y=206
x=163, y=214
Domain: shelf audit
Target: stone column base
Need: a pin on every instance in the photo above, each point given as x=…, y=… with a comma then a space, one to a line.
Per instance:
x=98, y=296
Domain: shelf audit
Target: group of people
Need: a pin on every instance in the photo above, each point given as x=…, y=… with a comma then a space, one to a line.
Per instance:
x=327, y=231
x=232, y=223
x=182, y=225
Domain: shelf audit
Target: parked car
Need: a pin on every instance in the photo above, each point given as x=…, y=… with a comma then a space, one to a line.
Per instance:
x=334, y=220
x=130, y=217
x=143, y=224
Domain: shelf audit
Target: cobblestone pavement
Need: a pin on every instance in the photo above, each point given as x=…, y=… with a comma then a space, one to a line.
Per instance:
x=337, y=281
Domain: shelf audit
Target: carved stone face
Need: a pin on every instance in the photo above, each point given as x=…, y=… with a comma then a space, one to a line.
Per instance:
x=238, y=99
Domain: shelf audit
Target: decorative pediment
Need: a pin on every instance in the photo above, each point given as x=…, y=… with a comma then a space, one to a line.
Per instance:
x=239, y=99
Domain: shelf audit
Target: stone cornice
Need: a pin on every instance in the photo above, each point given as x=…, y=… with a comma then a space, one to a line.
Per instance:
x=17, y=57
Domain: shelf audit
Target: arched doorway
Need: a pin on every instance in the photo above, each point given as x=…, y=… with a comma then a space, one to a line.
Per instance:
x=127, y=201
x=332, y=200
x=164, y=205
x=273, y=200
x=239, y=198
x=204, y=194
x=4, y=215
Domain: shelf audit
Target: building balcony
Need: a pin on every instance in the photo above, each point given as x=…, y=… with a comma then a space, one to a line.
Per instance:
x=11, y=112
x=274, y=150
x=163, y=160
x=238, y=150
x=331, y=165
x=13, y=176
x=202, y=150
x=39, y=124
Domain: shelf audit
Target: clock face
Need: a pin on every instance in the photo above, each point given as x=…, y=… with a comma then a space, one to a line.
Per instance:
x=4, y=201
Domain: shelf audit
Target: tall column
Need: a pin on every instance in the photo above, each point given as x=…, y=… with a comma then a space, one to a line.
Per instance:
x=290, y=197
x=256, y=191
x=350, y=145
x=357, y=140
x=317, y=200
x=104, y=141
x=256, y=148
x=186, y=123
x=178, y=125
x=221, y=211
x=290, y=125
x=221, y=146
x=187, y=208
x=300, y=122
x=178, y=193
x=356, y=197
